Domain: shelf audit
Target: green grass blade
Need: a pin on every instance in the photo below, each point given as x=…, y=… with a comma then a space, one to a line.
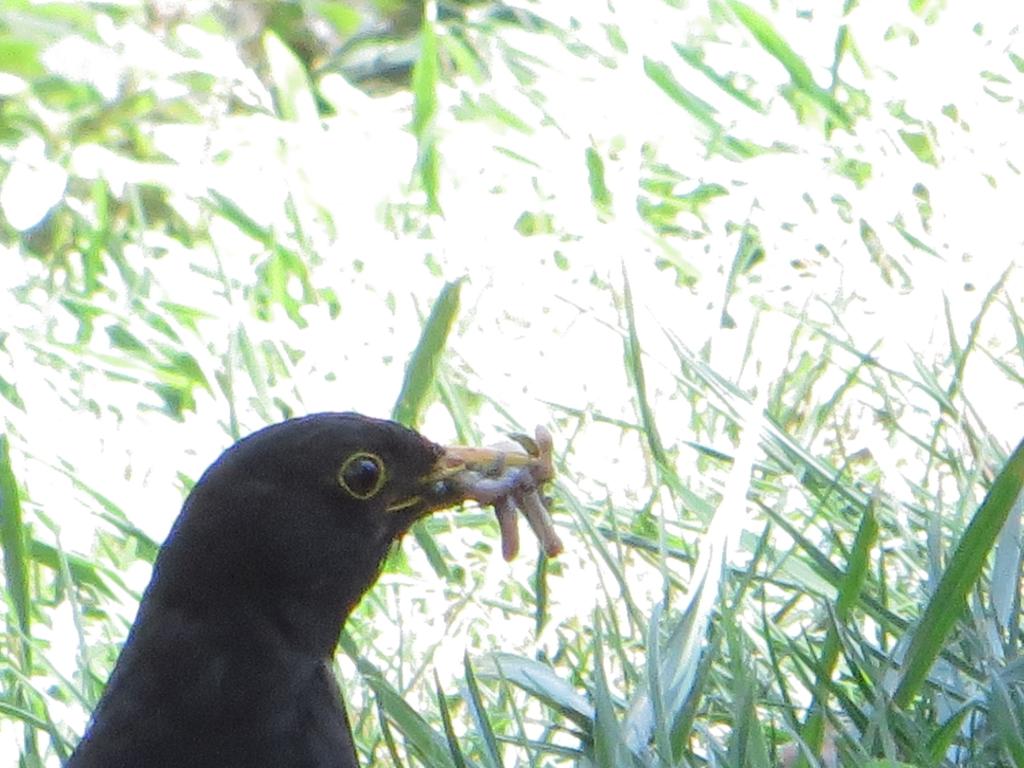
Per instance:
x=449, y=730
x=540, y=681
x=635, y=365
x=81, y=571
x=940, y=741
x=850, y=589
x=747, y=743
x=703, y=112
x=13, y=544
x=695, y=58
x=610, y=748
x=540, y=589
x=115, y=516
x=799, y=72
x=662, y=77
x=15, y=551
x=520, y=735
x=421, y=370
x=655, y=689
x=419, y=383
x=1008, y=720
x=478, y=712
x=425, y=75
x=231, y=211
x=389, y=737
x=9, y=392
x=965, y=566
x=600, y=195
x=23, y=715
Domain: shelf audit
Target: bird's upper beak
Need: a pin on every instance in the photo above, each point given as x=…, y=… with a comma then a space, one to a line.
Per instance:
x=490, y=462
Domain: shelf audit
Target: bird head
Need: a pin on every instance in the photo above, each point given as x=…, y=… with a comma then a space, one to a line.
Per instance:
x=289, y=527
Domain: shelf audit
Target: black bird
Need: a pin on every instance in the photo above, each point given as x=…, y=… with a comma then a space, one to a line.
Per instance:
x=228, y=661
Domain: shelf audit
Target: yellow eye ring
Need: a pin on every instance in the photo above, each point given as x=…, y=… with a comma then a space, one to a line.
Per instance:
x=362, y=475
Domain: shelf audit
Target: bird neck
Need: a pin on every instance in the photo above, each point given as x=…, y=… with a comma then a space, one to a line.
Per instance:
x=242, y=588
x=307, y=623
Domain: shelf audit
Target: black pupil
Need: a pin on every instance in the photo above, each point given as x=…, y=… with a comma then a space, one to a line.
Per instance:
x=361, y=476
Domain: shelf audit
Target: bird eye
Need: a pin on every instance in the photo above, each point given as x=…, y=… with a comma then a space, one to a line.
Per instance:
x=362, y=475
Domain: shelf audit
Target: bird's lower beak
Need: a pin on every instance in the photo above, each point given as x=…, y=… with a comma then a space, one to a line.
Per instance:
x=507, y=477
